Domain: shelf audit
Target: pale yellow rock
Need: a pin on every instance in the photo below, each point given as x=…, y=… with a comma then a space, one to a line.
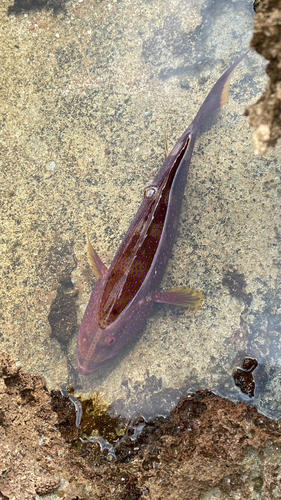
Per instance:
x=261, y=137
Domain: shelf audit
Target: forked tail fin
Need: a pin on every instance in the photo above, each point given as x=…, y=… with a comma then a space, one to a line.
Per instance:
x=217, y=97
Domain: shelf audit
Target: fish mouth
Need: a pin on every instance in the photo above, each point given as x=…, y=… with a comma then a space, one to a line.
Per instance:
x=86, y=368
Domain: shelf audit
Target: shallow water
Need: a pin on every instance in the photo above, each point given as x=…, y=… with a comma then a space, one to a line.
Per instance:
x=88, y=92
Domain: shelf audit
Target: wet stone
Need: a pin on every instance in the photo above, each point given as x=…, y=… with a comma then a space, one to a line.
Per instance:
x=244, y=378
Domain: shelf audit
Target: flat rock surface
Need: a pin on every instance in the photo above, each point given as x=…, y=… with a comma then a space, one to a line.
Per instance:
x=88, y=90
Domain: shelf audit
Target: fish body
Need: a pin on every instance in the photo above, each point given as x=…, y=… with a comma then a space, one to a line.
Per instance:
x=124, y=295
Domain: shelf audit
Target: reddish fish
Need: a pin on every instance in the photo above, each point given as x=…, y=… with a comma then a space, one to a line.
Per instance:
x=124, y=295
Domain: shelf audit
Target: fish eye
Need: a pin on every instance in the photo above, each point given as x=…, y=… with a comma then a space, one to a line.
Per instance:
x=111, y=341
x=150, y=191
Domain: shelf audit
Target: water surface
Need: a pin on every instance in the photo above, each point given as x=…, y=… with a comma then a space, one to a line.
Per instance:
x=88, y=92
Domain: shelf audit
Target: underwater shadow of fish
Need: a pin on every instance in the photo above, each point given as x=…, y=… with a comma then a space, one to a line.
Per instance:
x=124, y=295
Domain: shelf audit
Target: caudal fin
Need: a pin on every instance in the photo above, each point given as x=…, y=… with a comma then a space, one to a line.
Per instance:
x=218, y=96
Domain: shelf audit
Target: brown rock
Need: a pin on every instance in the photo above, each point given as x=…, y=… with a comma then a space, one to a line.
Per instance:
x=208, y=447
x=265, y=114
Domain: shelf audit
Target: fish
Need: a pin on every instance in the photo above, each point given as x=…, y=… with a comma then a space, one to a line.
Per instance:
x=124, y=295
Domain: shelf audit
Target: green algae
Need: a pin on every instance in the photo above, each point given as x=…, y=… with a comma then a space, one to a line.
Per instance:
x=96, y=420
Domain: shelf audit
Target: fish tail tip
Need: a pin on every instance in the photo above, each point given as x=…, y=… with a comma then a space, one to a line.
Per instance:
x=198, y=299
x=225, y=91
x=190, y=297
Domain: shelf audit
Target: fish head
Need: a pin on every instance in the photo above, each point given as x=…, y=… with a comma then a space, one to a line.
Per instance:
x=95, y=348
x=95, y=345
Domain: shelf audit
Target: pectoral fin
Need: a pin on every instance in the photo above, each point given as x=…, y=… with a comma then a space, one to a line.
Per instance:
x=181, y=296
x=99, y=269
